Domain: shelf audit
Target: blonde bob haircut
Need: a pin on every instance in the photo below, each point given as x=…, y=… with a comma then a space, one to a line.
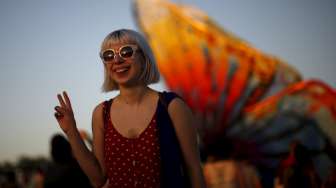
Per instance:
x=149, y=74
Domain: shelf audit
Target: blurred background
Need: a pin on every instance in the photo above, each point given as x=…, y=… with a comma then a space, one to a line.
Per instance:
x=47, y=47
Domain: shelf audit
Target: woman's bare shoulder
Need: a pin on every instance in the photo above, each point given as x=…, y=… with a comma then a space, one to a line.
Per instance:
x=97, y=115
x=98, y=109
x=178, y=104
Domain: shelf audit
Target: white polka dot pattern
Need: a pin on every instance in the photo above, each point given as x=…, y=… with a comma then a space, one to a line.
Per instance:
x=132, y=162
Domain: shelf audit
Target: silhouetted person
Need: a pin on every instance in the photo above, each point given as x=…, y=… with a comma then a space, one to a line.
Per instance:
x=225, y=168
x=330, y=182
x=298, y=170
x=10, y=180
x=64, y=170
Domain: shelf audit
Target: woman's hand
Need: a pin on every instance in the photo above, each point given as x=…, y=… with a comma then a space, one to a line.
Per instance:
x=64, y=114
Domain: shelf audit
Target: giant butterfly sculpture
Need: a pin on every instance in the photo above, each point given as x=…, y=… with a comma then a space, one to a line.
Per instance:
x=235, y=90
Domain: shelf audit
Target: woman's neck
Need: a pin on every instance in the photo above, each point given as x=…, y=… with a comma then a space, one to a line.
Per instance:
x=133, y=95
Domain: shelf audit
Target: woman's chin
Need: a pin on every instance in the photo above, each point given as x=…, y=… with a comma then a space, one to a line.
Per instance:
x=125, y=81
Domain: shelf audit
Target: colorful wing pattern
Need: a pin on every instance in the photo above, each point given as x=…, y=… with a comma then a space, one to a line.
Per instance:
x=234, y=89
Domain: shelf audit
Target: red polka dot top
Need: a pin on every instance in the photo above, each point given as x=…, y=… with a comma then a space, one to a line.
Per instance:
x=131, y=162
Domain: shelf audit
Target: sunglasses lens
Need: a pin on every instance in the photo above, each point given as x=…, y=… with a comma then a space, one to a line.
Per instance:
x=126, y=52
x=108, y=55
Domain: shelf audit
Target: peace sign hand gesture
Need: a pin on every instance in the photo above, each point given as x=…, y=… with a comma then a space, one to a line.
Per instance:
x=64, y=114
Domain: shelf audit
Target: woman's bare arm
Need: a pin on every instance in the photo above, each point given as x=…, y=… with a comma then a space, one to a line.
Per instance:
x=90, y=162
x=98, y=137
x=183, y=123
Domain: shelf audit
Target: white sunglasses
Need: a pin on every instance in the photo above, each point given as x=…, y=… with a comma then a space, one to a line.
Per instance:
x=125, y=52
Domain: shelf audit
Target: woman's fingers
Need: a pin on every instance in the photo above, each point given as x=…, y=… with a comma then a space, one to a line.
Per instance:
x=64, y=109
x=59, y=112
x=67, y=100
x=61, y=101
x=64, y=100
x=59, y=109
x=58, y=115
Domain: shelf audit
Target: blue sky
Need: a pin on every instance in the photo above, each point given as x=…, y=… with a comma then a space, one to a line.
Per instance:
x=50, y=46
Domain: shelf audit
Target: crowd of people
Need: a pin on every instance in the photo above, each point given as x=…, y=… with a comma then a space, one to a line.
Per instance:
x=222, y=169
x=62, y=170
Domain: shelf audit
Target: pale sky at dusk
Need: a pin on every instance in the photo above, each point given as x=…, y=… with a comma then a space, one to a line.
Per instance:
x=50, y=46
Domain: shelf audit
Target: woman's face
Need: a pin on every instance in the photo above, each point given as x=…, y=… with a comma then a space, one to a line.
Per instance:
x=125, y=65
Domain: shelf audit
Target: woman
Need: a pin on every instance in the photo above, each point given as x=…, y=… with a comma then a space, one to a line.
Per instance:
x=141, y=138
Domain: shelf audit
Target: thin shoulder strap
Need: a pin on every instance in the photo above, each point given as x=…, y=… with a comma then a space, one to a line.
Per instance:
x=106, y=111
x=166, y=98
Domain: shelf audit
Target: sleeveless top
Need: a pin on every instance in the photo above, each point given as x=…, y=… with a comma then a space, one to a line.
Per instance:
x=131, y=162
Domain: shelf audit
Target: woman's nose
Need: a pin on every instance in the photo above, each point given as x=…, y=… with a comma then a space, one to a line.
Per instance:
x=118, y=59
